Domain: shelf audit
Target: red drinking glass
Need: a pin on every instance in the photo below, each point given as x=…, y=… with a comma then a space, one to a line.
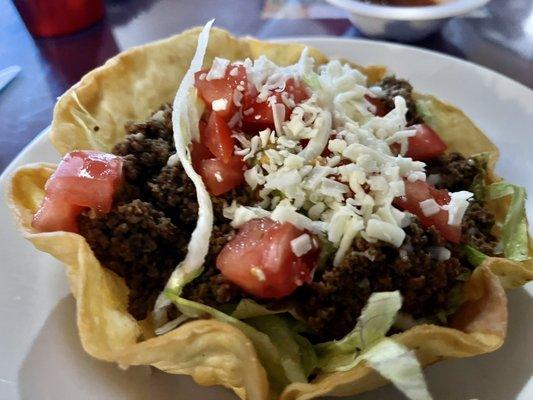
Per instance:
x=58, y=17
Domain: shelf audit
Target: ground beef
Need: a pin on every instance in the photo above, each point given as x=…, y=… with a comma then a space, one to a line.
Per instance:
x=146, y=147
x=212, y=288
x=455, y=171
x=155, y=210
x=242, y=195
x=147, y=232
x=173, y=192
x=140, y=244
x=393, y=87
x=332, y=302
x=477, y=227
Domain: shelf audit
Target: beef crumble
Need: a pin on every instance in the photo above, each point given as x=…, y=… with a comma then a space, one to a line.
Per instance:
x=156, y=202
x=393, y=87
x=138, y=243
x=453, y=171
x=211, y=287
x=477, y=229
x=332, y=303
x=147, y=232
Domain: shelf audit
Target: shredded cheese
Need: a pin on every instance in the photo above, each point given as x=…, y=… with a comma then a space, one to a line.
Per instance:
x=218, y=69
x=301, y=245
x=429, y=207
x=327, y=167
x=258, y=274
x=457, y=207
x=219, y=104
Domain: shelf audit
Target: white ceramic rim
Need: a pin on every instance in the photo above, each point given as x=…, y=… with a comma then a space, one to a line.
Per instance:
x=451, y=8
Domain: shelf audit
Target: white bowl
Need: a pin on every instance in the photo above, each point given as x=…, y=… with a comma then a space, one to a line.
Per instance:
x=404, y=24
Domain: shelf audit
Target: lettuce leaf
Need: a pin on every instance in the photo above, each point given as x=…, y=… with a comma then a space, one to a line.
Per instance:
x=185, y=118
x=479, y=186
x=374, y=322
x=289, y=344
x=423, y=108
x=473, y=255
x=289, y=357
x=514, y=237
x=248, y=309
x=367, y=342
x=399, y=365
x=284, y=332
x=311, y=80
x=283, y=353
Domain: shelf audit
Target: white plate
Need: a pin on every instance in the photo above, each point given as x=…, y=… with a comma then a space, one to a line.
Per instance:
x=40, y=353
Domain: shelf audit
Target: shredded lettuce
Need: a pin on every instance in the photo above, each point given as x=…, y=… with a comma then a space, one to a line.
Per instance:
x=367, y=342
x=285, y=333
x=284, y=354
x=479, y=187
x=289, y=357
x=399, y=365
x=473, y=255
x=248, y=309
x=375, y=320
x=514, y=237
x=307, y=354
x=289, y=344
x=423, y=108
x=311, y=80
x=185, y=118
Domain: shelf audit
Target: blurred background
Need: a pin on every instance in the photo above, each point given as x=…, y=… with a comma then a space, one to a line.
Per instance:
x=48, y=45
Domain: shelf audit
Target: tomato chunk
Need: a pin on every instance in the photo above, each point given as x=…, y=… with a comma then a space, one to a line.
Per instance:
x=221, y=177
x=56, y=215
x=216, y=89
x=381, y=108
x=87, y=178
x=198, y=153
x=261, y=261
x=425, y=144
x=416, y=192
x=258, y=115
x=217, y=138
x=83, y=179
x=295, y=90
x=258, y=118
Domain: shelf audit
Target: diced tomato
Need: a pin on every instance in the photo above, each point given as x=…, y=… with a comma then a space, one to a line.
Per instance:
x=418, y=191
x=202, y=125
x=262, y=116
x=425, y=144
x=297, y=91
x=56, y=215
x=260, y=259
x=217, y=138
x=381, y=108
x=221, y=177
x=198, y=153
x=441, y=196
x=87, y=178
x=83, y=179
x=223, y=88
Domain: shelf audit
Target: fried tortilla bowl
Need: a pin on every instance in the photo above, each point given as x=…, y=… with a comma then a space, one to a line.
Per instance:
x=91, y=115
